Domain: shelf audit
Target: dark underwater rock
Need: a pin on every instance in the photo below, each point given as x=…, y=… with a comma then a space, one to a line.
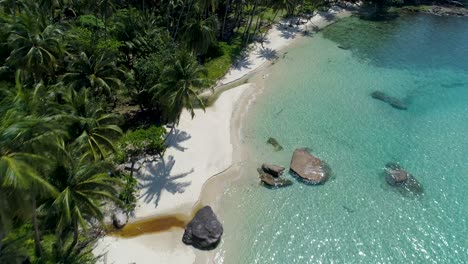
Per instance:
x=275, y=144
x=393, y=101
x=406, y=183
x=271, y=181
x=309, y=168
x=204, y=231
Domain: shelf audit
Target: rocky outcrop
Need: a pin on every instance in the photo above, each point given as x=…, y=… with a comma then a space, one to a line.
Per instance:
x=204, y=231
x=119, y=218
x=394, y=102
x=456, y=9
x=309, y=168
x=271, y=181
x=396, y=176
x=275, y=144
x=274, y=170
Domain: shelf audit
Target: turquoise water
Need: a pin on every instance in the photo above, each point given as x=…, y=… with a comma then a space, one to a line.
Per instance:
x=318, y=97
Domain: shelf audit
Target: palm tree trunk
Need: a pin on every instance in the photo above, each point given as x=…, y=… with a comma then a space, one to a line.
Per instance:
x=2, y=235
x=252, y=14
x=132, y=167
x=37, y=235
x=239, y=10
x=224, y=19
x=257, y=26
x=178, y=21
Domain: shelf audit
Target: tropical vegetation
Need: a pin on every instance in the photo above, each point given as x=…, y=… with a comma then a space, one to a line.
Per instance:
x=88, y=85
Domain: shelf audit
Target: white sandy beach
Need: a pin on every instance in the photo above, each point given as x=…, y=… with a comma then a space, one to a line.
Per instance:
x=200, y=149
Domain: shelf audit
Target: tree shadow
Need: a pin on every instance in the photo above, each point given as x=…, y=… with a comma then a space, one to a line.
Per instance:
x=287, y=31
x=243, y=62
x=268, y=54
x=157, y=178
x=177, y=137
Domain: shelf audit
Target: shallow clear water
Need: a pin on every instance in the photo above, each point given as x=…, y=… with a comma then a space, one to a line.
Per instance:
x=318, y=96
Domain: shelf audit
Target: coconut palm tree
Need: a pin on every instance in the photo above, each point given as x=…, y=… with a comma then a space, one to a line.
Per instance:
x=27, y=141
x=180, y=84
x=83, y=186
x=36, y=46
x=98, y=72
x=92, y=129
x=200, y=34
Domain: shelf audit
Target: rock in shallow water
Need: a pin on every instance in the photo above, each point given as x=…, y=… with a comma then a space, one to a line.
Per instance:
x=273, y=182
x=204, y=231
x=275, y=144
x=393, y=101
x=308, y=167
x=274, y=170
x=396, y=176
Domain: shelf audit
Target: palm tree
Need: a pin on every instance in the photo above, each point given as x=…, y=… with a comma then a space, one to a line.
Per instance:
x=36, y=45
x=200, y=34
x=99, y=73
x=26, y=142
x=21, y=137
x=83, y=186
x=180, y=84
x=92, y=129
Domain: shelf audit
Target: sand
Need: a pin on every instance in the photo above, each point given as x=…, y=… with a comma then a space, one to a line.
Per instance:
x=200, y=149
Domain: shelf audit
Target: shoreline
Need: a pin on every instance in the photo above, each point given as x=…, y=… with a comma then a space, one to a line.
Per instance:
x=212, y=158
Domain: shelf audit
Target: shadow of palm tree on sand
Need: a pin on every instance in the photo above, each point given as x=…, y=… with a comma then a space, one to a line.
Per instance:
x=176, y=138
x=268, y=54
x=157, y=178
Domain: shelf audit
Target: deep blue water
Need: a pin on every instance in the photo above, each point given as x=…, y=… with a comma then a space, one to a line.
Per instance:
x=318, y=97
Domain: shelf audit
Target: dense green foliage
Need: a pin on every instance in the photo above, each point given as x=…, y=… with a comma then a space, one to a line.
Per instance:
x=69, y=71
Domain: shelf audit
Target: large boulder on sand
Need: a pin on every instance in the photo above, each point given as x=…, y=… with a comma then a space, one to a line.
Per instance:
x=394, y=102
x=204, y=231
x=308, y=167
x=274, y=170
x=119, y=219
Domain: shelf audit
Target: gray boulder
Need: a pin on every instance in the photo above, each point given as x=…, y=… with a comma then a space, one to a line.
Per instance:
x=309, y=168
x=119, y=218
x=204, y=231
x=273, y=182
x=393, y=101
x=274, y=170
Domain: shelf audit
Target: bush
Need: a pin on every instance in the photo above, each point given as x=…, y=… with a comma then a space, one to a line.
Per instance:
x=90, y=21
x=128, y=193
x=142, y=142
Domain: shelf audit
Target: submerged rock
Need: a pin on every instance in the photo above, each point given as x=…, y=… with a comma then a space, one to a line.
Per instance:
x=274, y=170
x=396, y=176
x=204, y=231
x=272, y=181
x=275, y=144
x=394, y=102
x=308, y=167
x=119, y=219
x=343, y=47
